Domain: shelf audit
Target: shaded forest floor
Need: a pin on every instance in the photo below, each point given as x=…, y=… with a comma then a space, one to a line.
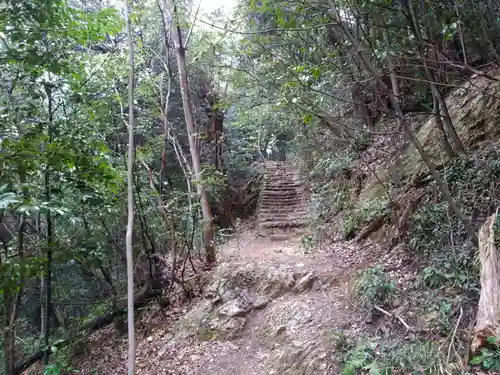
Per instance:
x=269, y=307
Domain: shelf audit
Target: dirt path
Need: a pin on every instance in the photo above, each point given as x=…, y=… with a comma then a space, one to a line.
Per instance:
x=292, y=333
x=271, y=308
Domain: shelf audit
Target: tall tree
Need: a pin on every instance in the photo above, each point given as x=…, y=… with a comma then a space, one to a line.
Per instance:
x=402, y=121
x=130, y=199
x=208, y=234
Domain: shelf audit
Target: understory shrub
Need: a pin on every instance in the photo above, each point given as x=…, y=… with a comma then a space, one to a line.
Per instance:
x=357, y=217
x=375, y=288
x=437, y=235
x=419, y=357
x=473, y=182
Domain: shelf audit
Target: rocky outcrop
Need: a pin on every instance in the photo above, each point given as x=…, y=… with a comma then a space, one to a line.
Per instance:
x=288, y=313
x=475, y=112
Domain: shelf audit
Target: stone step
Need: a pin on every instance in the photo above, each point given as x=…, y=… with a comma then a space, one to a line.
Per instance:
x=282, y=177
x=269, y=208
x=281, y=193
x=283, y=209
x=293, y=196
x=282, y=184
x=281, y=197
x=283, y=224
x=282, y=173
x=270, y=214
x=283, y=205
x=278, y=187
x=283, y=215
x=279, y=201
x=289, y=183
x=274, y=213
x=283, y=189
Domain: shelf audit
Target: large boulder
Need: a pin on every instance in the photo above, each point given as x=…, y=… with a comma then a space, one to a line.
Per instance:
x=475, y=112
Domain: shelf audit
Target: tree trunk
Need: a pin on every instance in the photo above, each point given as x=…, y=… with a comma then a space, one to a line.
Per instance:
x=8, y=335
x=436, y=110
x=402, y=122
x=130, y=200
x=488, y=311
x=47, y=277
x=12, y=304
x=208, y=235
x=436, y=92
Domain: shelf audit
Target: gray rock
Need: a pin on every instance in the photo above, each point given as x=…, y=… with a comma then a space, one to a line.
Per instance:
x=260, y=302
x=301, y=357
x=305, y=283
x=276, y=281
x=234, y=308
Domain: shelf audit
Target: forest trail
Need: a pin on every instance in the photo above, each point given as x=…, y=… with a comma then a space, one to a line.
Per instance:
x=278, y=311
x=270, y=308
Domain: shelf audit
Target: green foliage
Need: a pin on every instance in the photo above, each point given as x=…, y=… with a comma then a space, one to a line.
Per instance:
x=332, y=167
x=445, y=272
x=488, y=357
x=430, y=229
x=364, y=357
x=307, y=242
x=434, y=227
x=433, y=277
x=421, y=357
x=375, y=288
x=415, y=358
x=331, y=189
x=358, y=216
x=56, y=369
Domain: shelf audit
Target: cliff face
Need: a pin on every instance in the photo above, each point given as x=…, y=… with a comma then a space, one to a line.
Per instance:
x=475, y=112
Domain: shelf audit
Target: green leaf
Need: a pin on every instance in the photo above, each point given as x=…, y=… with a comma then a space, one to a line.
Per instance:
x=316, y=73
x=308, y=118
x=6, y=199
x=491, y=340
x=488, y=362
x=477, y=360
x=349, y=369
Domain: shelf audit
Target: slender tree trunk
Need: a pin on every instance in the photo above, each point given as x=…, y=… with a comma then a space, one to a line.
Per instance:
x=12, y=301
x=208, y=236
x=435, y=106
x=47, y=277
x=447, y=119
x=404, y=124
x=9, y=332
x=130, y=200
x=436, y=110
x=431, y=77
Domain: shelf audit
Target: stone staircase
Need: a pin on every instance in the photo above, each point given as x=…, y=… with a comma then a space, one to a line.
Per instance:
x=283, y=202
